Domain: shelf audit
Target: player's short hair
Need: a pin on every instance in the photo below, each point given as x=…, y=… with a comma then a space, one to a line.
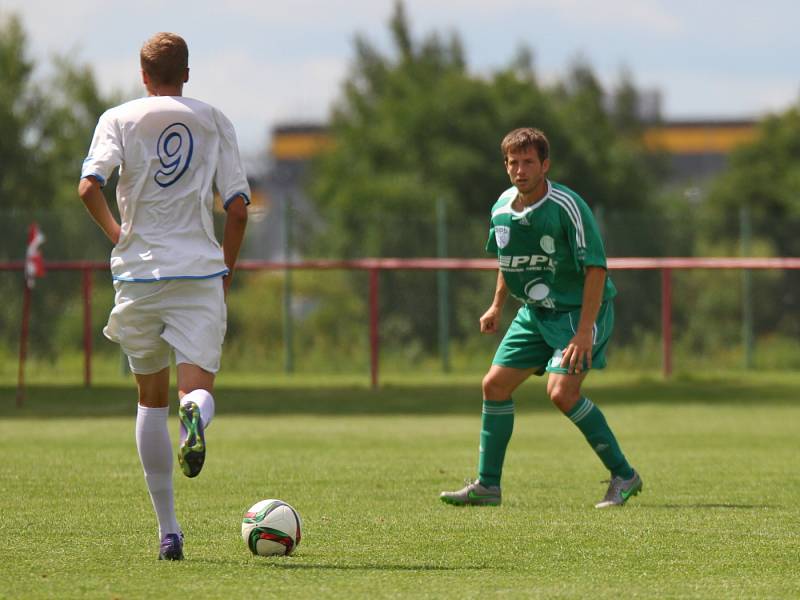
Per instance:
x=165, y=58
x=524, y=138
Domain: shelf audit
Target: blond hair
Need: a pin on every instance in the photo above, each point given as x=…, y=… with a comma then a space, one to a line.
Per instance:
x=165, y=58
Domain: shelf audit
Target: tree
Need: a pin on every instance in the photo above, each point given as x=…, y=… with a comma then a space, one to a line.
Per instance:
x=762, y=186
x=45, y=128
x=19, y=103
x=763, y=177
x=416, y=127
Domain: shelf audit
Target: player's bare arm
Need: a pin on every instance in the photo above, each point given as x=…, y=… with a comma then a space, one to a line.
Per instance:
x=92, y=196
x=490, y=321
x=580, y=346
x=235, y=224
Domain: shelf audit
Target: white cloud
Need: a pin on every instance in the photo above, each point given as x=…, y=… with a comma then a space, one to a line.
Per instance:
x=305, y=14
x=720, y=95
x=45, y=36
x=642, y=15
x=646, y=16
x=263, y=61
x=258, y=93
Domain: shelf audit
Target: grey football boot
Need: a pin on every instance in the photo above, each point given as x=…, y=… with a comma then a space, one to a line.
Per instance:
x=473, y=494
x=619, y=490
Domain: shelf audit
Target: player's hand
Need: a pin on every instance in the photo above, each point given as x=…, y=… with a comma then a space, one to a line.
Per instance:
x=578, y=353
x=490, y=320
x=226, y=283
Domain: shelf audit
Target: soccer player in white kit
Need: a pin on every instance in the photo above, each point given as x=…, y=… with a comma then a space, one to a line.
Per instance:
x=170, y=273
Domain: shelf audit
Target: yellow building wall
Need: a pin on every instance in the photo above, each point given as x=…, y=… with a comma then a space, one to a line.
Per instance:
x=692, y=138
x=299, y=146
x=699, y=139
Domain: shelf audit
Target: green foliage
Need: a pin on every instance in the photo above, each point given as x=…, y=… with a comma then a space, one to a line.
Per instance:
x=417, y=127
x=45, y=127
x=708, y=309
x=20, y=165
x=328, y=320
x=763, y=177
x=758, y=193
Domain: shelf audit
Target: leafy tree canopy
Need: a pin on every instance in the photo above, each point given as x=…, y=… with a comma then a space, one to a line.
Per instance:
x=416, y=126
x=45, y=126
x=764, y=178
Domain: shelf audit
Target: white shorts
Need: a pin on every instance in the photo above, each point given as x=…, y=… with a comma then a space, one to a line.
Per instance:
x=186, y=315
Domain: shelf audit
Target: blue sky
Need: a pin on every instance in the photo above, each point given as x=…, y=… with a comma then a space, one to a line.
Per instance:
x=265, y=62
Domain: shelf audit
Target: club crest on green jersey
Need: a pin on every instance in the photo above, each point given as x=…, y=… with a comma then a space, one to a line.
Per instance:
x=502, y=235
x=548, y=244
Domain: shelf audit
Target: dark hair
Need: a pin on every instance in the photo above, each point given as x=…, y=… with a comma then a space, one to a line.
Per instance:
x=524, y=138
x=165, y=58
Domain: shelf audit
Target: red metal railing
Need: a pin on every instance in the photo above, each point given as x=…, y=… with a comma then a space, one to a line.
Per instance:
x=376, y=265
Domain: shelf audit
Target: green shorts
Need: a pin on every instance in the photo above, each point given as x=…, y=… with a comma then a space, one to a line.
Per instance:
x=537, y=337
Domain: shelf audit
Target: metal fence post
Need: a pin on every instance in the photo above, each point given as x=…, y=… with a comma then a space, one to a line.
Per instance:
x=87, y=325
x=666, y=320
x=23, y=342
x=443, y=285
x=374, y=337
x=288, y=324
x=747, y=288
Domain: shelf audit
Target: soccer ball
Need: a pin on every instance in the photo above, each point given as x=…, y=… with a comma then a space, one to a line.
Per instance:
x=271, y=528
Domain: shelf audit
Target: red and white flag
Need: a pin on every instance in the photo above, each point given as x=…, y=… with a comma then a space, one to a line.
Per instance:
x=34, y=263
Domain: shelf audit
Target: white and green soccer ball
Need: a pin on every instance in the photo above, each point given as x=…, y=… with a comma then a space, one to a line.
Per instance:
x=271, y=528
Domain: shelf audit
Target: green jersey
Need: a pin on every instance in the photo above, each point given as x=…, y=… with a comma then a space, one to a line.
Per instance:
x=543, y=250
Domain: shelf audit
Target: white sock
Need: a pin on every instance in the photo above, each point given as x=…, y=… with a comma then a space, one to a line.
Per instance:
x=155, y=453
x=205, y=402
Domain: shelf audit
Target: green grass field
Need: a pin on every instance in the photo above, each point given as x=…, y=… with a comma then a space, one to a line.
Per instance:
x=719, y=516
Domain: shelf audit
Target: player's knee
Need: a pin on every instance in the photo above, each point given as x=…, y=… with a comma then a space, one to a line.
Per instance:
x=563, y=397
x=494, y=389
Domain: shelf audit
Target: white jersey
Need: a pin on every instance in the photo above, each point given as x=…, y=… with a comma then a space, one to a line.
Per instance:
x=171, y=152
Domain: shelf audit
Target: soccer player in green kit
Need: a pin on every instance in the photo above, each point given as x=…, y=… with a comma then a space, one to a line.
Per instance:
x=551, y=259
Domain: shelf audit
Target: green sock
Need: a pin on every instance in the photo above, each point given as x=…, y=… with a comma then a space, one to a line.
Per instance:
x=496, y=426
x=594, y=427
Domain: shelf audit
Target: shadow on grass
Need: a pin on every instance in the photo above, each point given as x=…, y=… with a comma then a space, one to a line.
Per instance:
x=434, y=399
x=706, y=505
x=281, y=564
